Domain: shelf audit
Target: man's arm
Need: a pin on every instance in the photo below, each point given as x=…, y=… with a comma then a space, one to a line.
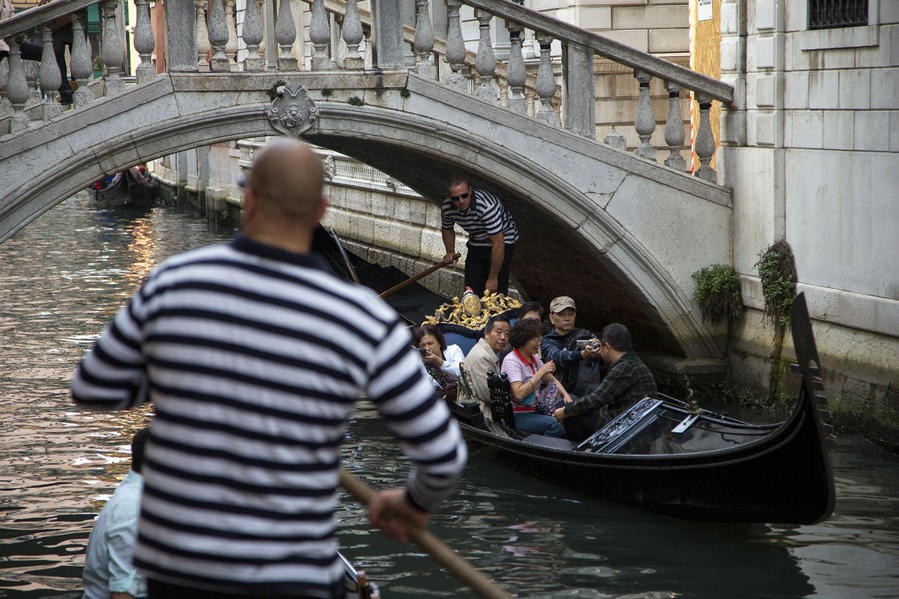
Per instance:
x=449, y=244
x=421, y=421
x=497, y=253
x=112, y=374
x=615, y=384
x=477, y=363
x=121, y=534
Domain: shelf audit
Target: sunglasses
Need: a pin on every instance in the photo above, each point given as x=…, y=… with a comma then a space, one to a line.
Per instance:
x=461, y=196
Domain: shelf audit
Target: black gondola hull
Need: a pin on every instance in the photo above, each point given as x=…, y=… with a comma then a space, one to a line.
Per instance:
x=783, y=478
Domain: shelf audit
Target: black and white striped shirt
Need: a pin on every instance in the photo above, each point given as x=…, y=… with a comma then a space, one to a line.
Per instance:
x=485, y=216
x=254, y=358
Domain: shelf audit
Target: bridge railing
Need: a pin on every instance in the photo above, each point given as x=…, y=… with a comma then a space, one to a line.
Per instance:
x=206, y=28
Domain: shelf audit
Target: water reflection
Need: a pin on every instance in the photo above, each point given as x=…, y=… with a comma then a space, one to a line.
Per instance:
x=63, y=276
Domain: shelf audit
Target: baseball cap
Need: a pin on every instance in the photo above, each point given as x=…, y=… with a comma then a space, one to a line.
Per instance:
x=560, y=303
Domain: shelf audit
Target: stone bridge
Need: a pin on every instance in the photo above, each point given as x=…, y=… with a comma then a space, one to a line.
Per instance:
x=615, y=229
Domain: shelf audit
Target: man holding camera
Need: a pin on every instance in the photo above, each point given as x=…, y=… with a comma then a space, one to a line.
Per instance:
x=575, y=351
x=627, y=382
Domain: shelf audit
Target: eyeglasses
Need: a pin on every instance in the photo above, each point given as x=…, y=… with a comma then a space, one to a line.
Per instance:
x=461, y=196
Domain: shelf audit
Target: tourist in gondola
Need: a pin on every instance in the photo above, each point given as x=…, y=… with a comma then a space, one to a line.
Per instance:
x=535, y=391
x=575, y=351
x=109, y=570
x=484, y=357
x=627, y=382
x=441, y=360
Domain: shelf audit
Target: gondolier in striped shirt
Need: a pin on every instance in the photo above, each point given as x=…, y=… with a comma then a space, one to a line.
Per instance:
x=254, y=355
x=492, y=235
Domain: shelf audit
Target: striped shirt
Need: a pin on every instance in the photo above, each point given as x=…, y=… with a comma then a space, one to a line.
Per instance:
x=485, y=216
x=254, y=358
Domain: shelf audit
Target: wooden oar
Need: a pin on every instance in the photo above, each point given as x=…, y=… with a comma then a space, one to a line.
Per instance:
x=420, y=275
x=443, y=555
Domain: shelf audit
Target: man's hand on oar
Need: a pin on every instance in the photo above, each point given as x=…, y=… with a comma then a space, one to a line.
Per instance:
x=394, y=508
x=392, y=512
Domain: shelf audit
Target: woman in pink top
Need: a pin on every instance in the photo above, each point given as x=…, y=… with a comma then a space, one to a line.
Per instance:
x=531, y=380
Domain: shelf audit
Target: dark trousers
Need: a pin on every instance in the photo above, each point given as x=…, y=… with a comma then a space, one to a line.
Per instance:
x=156, y=589
x=477, y=269
x=578, y=428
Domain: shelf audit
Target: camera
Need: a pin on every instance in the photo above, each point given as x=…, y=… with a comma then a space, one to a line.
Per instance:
x=422, y=350
x=583, y=344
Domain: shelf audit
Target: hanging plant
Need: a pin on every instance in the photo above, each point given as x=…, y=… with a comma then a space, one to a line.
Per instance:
x=718, y=293
x=777, y=270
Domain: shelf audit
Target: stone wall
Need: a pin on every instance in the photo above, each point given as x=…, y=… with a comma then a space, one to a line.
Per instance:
x=811, y=150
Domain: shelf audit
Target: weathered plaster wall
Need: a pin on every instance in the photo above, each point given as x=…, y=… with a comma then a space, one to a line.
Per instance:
x=811, y=151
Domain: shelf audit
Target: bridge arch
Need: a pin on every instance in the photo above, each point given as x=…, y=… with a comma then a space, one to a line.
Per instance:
x=571, y=242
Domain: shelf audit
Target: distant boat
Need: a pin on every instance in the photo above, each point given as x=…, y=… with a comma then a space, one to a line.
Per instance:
x=132, y=187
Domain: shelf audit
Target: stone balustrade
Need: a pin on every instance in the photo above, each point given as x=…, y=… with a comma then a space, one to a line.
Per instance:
x=203, y=37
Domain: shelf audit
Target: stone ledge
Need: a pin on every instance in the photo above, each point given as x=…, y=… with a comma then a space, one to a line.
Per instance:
x=852, y=310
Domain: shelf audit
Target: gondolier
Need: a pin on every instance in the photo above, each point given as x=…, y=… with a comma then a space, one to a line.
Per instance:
x=492, y=235
x=253, y=355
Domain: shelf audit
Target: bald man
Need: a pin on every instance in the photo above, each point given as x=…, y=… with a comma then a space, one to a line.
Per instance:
x=253, y=355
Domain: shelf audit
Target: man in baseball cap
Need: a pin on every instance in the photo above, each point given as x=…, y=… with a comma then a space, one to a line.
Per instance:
x=578, y=365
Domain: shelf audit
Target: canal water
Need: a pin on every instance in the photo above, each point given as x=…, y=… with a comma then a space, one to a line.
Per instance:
x=61, y=279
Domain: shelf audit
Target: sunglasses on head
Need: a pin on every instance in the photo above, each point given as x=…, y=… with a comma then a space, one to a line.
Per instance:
x=461, y=196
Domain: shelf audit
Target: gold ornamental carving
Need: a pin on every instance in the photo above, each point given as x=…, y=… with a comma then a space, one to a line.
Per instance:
x=471, y=311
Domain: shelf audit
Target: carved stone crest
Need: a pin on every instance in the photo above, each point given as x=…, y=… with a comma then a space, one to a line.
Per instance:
x=293, y=112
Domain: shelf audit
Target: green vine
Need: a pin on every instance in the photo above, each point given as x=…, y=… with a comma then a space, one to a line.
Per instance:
x=273, y=92
x=405, y=93
x=326, y=92
x=718, y=293
x=777, y=270
x=356, y=101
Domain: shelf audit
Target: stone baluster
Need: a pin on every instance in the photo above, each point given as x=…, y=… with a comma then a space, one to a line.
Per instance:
x=705, y=140
x=674, y=128
x=285, y=35
x=615, y=139
x=218, y=37
x=81, y=63
x=32, y=75
x=50, y=77
x=203, y=45
x=546, y=83
x=252, y=36
x=486, y=60
x=645, y=120
x=455, y=46
x=231, y=46
x=516, y=76
x=5, y=106
x=144, y=42
x=17, y=91
x=112, y=52
x=319, y=35
x=424, y=40
x=352, y=35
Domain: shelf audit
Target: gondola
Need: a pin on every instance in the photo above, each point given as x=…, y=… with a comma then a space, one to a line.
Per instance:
x=662, y=454
x=111, y=191
x=143, y=189
x=131, y=187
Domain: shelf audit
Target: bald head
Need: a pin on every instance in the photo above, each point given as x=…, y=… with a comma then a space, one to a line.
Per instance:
x=286, y=180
